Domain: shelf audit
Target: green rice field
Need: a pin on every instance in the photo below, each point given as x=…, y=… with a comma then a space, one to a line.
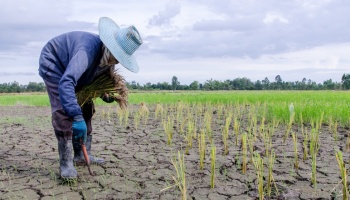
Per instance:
x=333, y=105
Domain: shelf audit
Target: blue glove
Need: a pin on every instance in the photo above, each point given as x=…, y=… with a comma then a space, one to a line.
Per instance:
x=79, y=128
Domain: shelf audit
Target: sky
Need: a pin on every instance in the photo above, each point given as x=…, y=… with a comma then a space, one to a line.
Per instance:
x=195, y=40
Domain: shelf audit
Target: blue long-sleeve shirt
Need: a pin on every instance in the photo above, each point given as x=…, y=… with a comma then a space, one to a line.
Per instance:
x=71, y=60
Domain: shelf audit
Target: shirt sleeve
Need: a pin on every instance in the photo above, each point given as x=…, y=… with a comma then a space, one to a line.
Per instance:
x=78, y=64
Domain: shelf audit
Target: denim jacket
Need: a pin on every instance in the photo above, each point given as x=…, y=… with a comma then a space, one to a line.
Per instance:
x=71, y=61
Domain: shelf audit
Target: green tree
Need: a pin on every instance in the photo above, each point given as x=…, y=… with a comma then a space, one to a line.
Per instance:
x=345, y=80
x=174, y=82
x=194, y=85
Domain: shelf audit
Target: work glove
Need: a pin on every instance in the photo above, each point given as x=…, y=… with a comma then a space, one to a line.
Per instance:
x=79, y=128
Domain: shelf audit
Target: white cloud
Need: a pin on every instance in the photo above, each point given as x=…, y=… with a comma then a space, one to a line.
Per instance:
x=201, y=38
x=272, y=17
x=163, y=17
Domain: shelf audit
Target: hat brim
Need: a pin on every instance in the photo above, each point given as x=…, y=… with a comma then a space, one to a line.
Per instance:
x=107, y=31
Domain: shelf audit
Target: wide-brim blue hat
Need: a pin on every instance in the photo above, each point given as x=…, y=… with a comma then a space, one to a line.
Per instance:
x=121, y=42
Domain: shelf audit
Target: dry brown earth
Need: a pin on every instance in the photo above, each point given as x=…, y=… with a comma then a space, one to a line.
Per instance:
x=139, y=162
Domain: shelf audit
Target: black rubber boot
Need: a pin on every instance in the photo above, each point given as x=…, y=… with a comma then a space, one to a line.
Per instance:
x=79, y=155
x=66, y=162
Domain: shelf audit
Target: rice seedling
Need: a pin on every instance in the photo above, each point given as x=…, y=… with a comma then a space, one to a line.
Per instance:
x=107, y=83
x=126, y=117
x=305, y=145
x=180, y=179
x=136, y=120
x=189, y=135
x=330, y=123
x=236, y=126
x=335, y=131
x=267, y=143
x=219, y=112
x=262, y=126
x=289, y=126
x=259, y=169
x=168, y=128
x=320, y=122
x=343, y=174
x=250, y=140
x=244, y=153
x=254, y=126
x=182, y=125
x=159, y=110
x=296, y=159
x=213, y=160
x=270, y=179
x=207, y=121
x=144, y=112
x=313, y=170
x=348, y=142
x=201, y=148
x=314, y=141
x=225, y=133
x=301, y=123
x=121, y=115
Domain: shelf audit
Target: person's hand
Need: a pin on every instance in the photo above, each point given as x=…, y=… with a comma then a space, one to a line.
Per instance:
x=79, y=128
x=107, y=98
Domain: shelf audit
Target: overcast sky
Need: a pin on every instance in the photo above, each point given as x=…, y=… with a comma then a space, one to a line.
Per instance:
x=192, y=40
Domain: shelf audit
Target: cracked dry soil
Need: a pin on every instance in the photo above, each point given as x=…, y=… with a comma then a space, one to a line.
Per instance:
x=138, y=161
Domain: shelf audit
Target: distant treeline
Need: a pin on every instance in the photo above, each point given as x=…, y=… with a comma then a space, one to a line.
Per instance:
x=235, y=84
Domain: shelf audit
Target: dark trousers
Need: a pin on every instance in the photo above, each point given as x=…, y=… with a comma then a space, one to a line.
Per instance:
x=61, y=123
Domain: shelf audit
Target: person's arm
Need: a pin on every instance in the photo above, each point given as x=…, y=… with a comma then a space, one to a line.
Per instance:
x=78, y=64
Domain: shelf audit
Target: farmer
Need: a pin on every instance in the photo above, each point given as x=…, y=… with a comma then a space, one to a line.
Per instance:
x=67, y=63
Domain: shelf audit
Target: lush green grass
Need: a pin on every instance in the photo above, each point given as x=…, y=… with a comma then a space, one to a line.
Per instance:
x=311, y=104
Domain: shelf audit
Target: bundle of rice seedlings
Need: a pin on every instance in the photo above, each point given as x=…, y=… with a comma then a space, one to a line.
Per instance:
x=143, y=109
x=108, y=82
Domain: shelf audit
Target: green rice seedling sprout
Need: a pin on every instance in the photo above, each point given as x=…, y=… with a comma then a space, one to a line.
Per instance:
x=348, y=142
x=236, y=126
x=126, y=117
x=136, y=120
x=291, y=120
x=321, y=120
x=180, y=179
x=335, y=131
x=254, y=125
x=207, y=121
x=301, y=123
x=343, y=173
x=314, y=144
x=159, y=110
x=225, y=134
x=251, y=141
x=244, y=153
x=259, y=169
x=213, y=160
x=182, y=125
x=305, y=145
x=201, y=148
x=120, y=113
x=109, y=116
x=262, y=126
x=267, y=142
x=189, y=135
x=144, y=112
x=313, y=169
x=168, y=128
x=296, y=160
x=270, y=179
x=330, y=124
x=219, y=112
